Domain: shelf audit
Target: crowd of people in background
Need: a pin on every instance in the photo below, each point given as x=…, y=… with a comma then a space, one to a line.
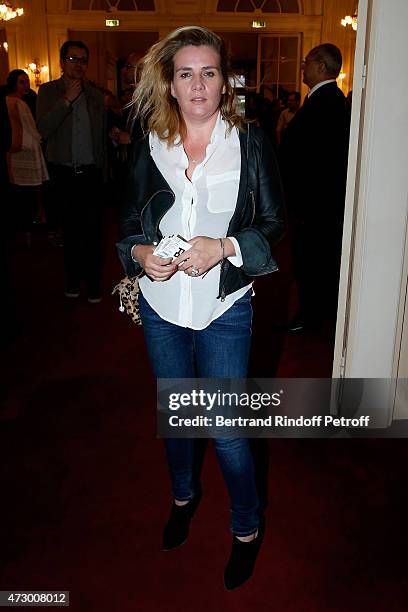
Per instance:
x=64, y=154
x=17, y=129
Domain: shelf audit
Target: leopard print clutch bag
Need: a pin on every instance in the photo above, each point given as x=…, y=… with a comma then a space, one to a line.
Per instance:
x=128, y=291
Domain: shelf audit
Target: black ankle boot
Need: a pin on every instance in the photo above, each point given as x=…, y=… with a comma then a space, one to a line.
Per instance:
x=242, y=559
x=177, y=527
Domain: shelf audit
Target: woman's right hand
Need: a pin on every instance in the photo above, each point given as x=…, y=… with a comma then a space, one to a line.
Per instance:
x=157, y=268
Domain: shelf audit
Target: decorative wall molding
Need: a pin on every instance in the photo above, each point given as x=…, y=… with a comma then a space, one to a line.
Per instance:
x=95, y=21
x=48, y=22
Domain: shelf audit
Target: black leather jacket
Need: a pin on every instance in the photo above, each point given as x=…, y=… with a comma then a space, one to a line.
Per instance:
x=257, y=222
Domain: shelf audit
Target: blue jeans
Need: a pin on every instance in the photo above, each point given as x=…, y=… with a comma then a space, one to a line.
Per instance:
x=221, y=350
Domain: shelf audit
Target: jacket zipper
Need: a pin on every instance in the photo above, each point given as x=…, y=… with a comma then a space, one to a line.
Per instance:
x=222, y=292
x=253, y=206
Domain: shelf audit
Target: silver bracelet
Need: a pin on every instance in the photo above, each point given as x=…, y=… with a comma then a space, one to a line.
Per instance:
x=131, y=250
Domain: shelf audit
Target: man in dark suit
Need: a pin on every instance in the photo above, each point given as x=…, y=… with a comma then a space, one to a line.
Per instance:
x=313, y=156
x=72, y=121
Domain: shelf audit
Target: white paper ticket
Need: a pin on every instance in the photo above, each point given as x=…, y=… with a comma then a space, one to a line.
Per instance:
x=171, y=246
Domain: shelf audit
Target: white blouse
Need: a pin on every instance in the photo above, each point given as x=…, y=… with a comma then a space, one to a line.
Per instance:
x=26, y=167
x=203, y=207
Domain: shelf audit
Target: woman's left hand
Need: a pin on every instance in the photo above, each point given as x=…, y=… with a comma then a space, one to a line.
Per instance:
x=203, y=255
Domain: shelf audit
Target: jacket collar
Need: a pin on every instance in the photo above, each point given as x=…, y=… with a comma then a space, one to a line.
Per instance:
x=245, y=144
x=319, y=85
x=61, y=83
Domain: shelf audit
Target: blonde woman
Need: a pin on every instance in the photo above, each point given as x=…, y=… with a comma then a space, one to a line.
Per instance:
x=202, y=174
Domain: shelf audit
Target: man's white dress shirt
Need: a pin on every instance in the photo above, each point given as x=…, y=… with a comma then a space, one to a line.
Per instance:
x=316, y=87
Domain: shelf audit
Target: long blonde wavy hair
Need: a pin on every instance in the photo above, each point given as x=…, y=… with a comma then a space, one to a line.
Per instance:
x=152, y=102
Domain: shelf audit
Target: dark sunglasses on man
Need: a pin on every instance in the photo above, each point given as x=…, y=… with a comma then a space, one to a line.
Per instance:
x=83, y=61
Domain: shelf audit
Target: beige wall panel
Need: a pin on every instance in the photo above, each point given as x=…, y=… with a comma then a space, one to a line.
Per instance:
x=344, y=38
x=57, y=36
x=313, y=7
x=348, y=59
x=187, y=7
x=161, y=6
x=57, y=6
x=36, y=35
x=210, y=6
x=183, y=7
x=11, y=35
x=4, y=58
x=19, y=50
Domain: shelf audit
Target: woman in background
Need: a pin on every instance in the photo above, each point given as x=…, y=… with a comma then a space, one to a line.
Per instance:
x=25, y=161
x=204, y=175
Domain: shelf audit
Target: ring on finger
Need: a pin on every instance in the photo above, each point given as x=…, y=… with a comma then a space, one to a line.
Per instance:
x=194, y=271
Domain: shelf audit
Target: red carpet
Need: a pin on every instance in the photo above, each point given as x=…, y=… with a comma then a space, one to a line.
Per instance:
x=85, y=491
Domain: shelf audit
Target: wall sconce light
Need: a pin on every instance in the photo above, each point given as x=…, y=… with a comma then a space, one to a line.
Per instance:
x=5, y=46
x=341, y=78
x=350, y=20
x=37, y=70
